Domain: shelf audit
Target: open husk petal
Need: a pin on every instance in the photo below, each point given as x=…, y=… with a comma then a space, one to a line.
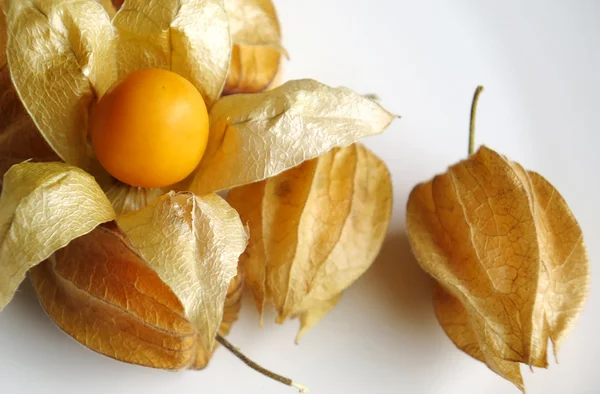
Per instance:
x=257, y=136
x=101, y=292
x=43, y=207
x=193, y=244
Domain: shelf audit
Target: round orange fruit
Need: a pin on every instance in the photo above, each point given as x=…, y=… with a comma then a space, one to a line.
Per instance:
x=150, y=129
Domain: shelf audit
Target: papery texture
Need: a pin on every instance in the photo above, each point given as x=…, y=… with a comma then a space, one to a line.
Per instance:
x=314, y=230
x=256, y=136
x=101, y=292
x=253, y=69
x=509, y=258
x=189, y=37
x=257, y=50
x=61, y=56
x=43, y=207
x=193, y=243
x=125, y=198
x=20, y=139
x=253, y=22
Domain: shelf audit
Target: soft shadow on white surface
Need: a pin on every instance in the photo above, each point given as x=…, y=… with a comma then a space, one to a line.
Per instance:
x=400, y=286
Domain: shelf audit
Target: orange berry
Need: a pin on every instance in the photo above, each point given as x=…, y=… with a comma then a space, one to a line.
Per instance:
x=150, y=129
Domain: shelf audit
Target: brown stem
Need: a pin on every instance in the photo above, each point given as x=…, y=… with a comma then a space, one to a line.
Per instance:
x=473, y=117
x=258, y=368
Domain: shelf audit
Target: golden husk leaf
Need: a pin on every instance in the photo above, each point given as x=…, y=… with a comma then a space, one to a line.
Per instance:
x=20, y=139
x=193, y=243
x=257, y=50
x=314, y=230
x=253, y=22
x=60, y=57
x=101, y=292
x=189, y=37
x=257, y=136
x=43, y=207
x=454, y=318
x=508, y=256
x=253, y=69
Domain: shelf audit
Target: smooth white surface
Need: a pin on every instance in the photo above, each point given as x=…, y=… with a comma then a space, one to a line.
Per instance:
x=540, y=64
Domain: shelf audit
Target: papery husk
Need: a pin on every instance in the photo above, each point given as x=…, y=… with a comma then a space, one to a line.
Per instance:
x=193, y=243
x=314, y=230
x=43, y=207
x=257, y=136
x=61, y=56
x=188, y=37
x=254, y=68
x=509, y=258
x=64, y=55
x=101, y=292
x=126, y=198
x=20, y=139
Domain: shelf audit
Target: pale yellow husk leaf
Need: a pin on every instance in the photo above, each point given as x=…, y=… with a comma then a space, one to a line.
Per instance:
x=60, y=55
x=189, y=37
x=193, y=244
x=253, y=23
x=109, y=7
x=504, y=245
x=314, y=230
x=43, y=207
x=125, y=198
x=256, y=136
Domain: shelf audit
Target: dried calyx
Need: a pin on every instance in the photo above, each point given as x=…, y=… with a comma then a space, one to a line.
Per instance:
x=508, y=257
x=314, y=230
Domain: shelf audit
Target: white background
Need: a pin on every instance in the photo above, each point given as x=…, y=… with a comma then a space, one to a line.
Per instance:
x=540, y=64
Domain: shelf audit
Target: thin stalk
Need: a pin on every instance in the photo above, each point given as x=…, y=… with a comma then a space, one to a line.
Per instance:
x=281, y=379
x=473, y=118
